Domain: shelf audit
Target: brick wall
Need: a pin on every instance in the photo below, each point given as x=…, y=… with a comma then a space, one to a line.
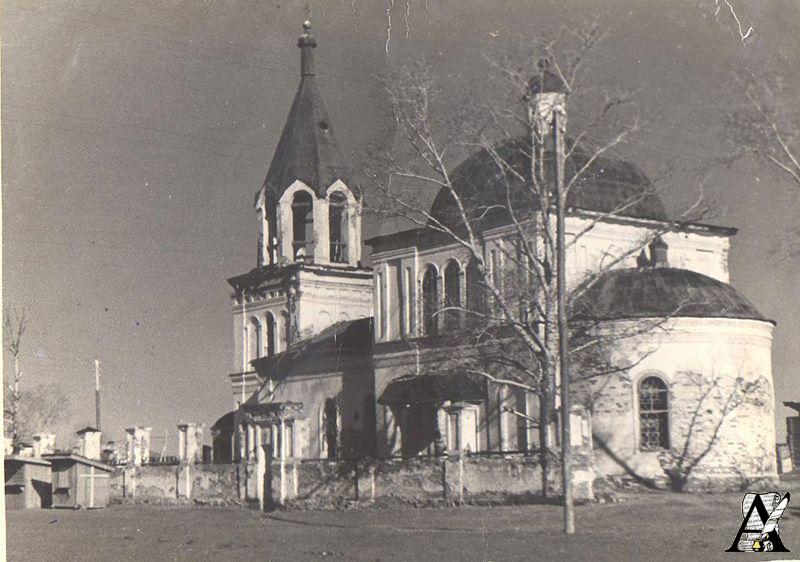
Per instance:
x=201, y=483
x=423, y=480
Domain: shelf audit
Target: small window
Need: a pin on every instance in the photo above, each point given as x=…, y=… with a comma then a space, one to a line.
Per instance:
x=653, y=414
x=430, y=302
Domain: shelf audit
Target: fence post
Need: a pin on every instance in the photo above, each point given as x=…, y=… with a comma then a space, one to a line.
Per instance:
x=372, y=483
x=461, y=477
x=295, y=479
x=355, y=480
x=283, y=480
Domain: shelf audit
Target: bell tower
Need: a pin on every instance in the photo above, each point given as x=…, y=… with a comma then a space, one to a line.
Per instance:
x=308, y=272
x=307, y=211
x=548, y=93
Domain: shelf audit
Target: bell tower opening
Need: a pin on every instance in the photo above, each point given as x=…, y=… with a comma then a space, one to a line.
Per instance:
x=302, y=226
x=337, y=227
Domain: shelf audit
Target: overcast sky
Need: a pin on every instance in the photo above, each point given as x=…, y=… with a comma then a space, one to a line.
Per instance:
x=135, y=134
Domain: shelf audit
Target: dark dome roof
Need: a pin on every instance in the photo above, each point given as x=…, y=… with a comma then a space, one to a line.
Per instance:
x=547, y=81
x=607, y=185
x=653, y=292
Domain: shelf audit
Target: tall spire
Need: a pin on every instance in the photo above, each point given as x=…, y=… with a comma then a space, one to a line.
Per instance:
x=307, y=149
x=307, y=44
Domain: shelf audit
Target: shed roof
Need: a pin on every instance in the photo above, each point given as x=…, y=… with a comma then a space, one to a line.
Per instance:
x=350, y=335
x=60, y=458
x=26, y=460
x=425, y=389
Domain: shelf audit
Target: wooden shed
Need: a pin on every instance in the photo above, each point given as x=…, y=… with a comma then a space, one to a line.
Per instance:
x=79, y=482
x=28, y=482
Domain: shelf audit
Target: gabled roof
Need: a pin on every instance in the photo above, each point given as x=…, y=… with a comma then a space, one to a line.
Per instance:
x=88, y=429
x=307, y=150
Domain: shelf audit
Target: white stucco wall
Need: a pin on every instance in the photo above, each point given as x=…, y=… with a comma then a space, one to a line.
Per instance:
x=698, y=250
x=700, y=360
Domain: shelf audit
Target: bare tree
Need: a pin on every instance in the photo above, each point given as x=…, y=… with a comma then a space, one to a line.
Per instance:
x=513, y=333
x=765, y=124
x=716, y=401
x=42, y=408
x=15, y=323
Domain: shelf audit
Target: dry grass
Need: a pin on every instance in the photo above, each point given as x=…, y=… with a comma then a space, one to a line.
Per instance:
x=655, y=526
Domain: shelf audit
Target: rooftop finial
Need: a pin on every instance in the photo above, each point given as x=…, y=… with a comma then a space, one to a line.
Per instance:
x=307, y=43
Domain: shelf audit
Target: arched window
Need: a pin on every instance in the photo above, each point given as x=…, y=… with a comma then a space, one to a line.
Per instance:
x=286, y=329
x=270, y=344
x=430, y=302
x=476, y=296
x=256, y=338
x=337, y=226
x=330, y=428
x=452, y=295
x=302, y=226
x=653, y=414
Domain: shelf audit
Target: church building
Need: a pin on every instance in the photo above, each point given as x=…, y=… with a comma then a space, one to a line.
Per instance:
x=336, y=359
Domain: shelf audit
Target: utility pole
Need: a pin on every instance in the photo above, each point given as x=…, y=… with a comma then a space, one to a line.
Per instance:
x=97, y=394
x=559, y=127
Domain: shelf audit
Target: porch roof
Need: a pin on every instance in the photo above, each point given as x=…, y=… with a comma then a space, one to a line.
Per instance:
x=427, y=389
x=272, y=411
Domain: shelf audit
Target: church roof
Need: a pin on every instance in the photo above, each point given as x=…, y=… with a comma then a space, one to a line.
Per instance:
x=346, y=336
x=546, y=81
x=654, y=292
x=307, y=149
x=607, y=184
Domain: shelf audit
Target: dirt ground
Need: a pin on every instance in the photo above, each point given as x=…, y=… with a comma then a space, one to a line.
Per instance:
x=657, y=526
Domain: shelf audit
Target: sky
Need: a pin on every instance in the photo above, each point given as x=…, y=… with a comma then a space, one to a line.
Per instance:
x=135, y=135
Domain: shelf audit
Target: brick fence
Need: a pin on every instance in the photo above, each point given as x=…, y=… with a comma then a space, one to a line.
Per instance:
x=323, y=483
x=422, y=480
x=201, y=483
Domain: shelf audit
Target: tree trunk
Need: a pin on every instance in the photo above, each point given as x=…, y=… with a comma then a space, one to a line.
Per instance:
x=15, y=438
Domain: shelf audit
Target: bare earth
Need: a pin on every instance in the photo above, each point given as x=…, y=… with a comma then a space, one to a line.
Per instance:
x=657, y=526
